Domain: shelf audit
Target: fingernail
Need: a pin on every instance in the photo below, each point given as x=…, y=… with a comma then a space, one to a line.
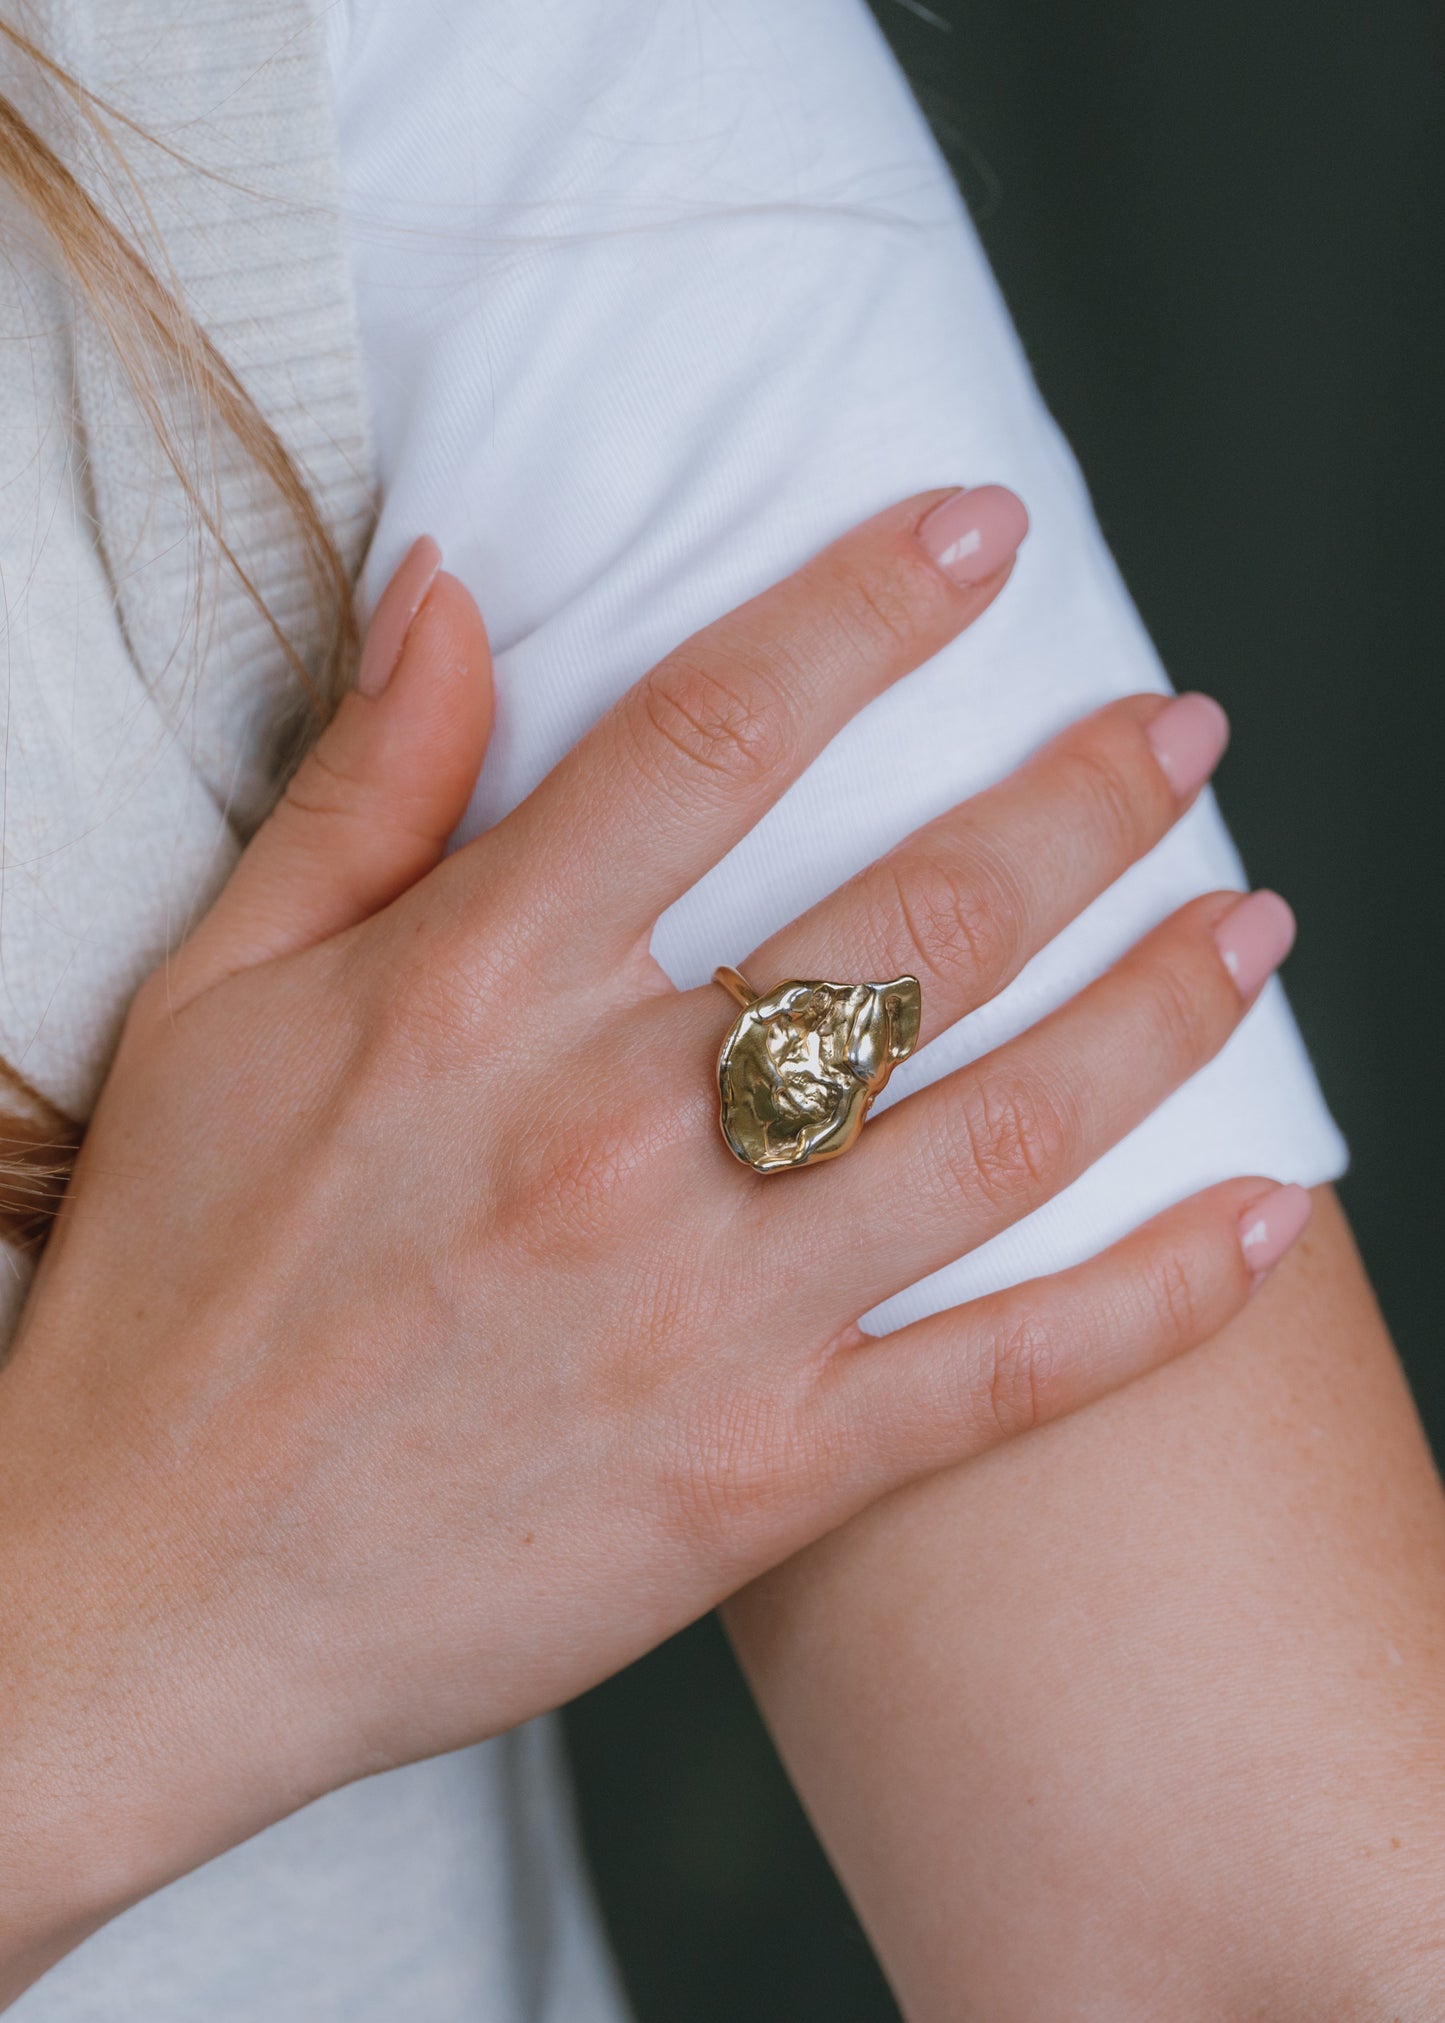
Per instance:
x=975, y=533
x=1189, y=735
x=401, y=600
x=1270, y=1225
x=1254, y=938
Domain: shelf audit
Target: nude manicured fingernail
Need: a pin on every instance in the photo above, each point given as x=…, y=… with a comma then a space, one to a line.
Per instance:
x=975, y=533
x=401, y=600
x=1270, y=1225
x=1189, y=735
x=1254, y=938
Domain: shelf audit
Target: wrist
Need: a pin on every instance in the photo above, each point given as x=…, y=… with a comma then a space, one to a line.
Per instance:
x=72, y=1851
x=124, y=1759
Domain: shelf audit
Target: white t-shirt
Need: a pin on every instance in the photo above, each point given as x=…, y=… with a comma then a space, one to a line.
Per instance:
x=656, y=297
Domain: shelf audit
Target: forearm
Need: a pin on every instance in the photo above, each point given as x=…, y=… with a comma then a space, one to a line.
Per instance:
x=93, y=1810
x=132, y=1742
x=63, y=1847
x=1141, y=1717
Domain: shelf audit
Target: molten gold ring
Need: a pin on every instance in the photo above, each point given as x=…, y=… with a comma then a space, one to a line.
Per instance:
x=801, y=1065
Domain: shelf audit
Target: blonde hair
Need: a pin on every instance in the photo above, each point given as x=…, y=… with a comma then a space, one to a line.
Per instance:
x=160, y=346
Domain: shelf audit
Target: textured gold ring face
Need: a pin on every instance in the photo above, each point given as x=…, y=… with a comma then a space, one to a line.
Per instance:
x=801, y=1064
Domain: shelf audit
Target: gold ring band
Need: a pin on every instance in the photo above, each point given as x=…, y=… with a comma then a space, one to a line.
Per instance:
x=735, y=984
x=801, y=1064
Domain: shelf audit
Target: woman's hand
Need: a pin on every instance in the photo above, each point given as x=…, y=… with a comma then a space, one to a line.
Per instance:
x=411, y=1352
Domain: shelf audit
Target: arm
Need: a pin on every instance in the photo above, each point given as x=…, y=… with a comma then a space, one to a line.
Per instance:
x=1141, y=1717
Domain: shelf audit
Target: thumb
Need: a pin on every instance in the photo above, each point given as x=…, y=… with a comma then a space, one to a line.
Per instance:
x=371, y=807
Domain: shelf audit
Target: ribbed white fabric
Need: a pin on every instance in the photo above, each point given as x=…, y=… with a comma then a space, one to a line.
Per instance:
x=142, y=687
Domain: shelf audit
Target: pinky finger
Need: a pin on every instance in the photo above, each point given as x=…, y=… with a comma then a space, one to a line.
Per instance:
x=947, y=1388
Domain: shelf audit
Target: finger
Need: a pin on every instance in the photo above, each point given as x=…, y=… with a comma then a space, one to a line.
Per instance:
x=983, y=1147
x=949, y=1387
x=965, y=901
x=690, y=758
x=372, y=806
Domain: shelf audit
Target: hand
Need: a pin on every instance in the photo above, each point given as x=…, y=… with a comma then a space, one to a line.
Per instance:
x=411, y=1352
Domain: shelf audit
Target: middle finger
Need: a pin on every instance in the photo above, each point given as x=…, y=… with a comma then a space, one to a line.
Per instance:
x=967, y=899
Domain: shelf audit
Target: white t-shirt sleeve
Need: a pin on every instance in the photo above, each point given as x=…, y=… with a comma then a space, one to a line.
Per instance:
x=658, y=296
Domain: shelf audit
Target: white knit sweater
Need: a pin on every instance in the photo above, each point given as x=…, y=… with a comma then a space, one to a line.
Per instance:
x=142, y=687
x=141, y=692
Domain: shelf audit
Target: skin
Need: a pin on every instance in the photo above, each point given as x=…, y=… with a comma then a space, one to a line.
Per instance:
x=389, y=1379
x=1144, y=1716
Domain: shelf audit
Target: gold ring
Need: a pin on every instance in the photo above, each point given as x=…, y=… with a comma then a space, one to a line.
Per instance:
x=801, y=1065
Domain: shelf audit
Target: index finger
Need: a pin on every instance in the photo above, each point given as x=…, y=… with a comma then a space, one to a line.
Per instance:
x=694, y=754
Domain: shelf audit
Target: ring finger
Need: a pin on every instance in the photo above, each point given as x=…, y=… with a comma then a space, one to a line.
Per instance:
x=980, y=1149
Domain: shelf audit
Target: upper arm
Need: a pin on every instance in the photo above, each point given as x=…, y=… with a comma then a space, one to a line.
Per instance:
x=1143, y=1716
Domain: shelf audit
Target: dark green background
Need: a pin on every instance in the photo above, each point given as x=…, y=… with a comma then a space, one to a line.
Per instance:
x=1220, y=230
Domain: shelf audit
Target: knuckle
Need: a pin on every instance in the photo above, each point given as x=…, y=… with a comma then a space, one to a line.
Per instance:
x=886, y=596
x=1182, y=1008
x=746, y=1473
x=1107, y=774
x=733, y=725
x=323, y=786
x=568, y=1189
x=959, y=920
x=1015, y=1381
x=1174, y=1298
x=1013, y=1143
